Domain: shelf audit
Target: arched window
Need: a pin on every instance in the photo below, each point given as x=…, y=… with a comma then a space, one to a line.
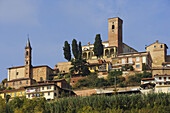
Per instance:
x=27, y=53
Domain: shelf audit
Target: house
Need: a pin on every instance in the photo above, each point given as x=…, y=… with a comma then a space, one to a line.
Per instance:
x=48, y=90
x=162, y=83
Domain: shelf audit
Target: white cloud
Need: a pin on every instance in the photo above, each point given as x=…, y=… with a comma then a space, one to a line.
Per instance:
x=18, y=11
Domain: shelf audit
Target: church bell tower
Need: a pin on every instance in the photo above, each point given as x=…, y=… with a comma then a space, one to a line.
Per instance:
x=28, y=62
x=115, y=33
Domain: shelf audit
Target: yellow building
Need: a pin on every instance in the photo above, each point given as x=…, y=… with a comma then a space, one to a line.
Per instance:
x=50, y=91
x=13, y=93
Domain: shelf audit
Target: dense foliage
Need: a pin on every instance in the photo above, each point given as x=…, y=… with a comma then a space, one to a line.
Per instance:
x=67, y=51
x=79, y=67
x=159, y=103
x=136, y=80
x=92, y=81
x=98, y=46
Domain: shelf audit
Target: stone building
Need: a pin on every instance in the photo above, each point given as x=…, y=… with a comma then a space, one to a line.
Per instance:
x=27, y=75
x=114, y=45
x=161, y=60
x=136, y=60
x=112, y=48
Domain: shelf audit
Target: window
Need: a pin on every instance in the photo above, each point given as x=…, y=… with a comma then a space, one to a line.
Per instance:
x=11, y=94
x=13, y=83
x=144, y=59
x=154, y=46
x=41, y=78
x=7, y=85
x=54, y=88
x=161, y=46
x=48, y=93
x=130, y=60
x=137, y=59
x=28, y=95
x=123, y=60
x=113, y=26
x=137, y=65
x=160, y=78
x=20, y=83
x=17, y=73
x=42, y=88
x=27, y=81
x=27, y=53
x=42, y=94
x=55, y=94
x=164, y=78
x=168, y=88
x=48, y=87
x=26, y=62
x=168, y=77
x=15, y=94
x=21, y=93
x=160, y=83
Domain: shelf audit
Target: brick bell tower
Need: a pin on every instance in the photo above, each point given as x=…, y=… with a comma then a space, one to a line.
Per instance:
x=115, y=33
x=28, y=61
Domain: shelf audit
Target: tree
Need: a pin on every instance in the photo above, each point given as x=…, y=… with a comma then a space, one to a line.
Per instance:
x=7, y=98
x=79, y=66
x=98, y=46
x=2, y=105
x=67, y=51
x=80, y=51
x=75, y=49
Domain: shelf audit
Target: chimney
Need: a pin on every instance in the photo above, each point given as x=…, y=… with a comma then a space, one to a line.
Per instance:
x=88, y=43
x=156, y=41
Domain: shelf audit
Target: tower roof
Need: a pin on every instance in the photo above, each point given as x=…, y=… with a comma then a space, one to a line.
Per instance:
x=28, y=44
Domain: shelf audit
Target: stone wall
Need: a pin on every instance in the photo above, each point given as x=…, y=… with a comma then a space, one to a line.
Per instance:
x=16, y=73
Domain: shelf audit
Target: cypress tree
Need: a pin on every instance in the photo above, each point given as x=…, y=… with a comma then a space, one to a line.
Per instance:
x=67, y=51
x=98, y=46
x=75, y=49
x=80, y=51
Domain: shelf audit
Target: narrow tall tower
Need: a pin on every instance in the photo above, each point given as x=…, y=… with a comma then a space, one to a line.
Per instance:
x=115, y=33
x=28, y=63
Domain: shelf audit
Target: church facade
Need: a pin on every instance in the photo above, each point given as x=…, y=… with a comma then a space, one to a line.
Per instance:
x=27, y=75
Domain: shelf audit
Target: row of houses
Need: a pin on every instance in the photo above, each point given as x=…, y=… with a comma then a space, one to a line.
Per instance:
x=47, y=89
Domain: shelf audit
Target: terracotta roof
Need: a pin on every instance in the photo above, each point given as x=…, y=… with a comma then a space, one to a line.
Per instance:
x=42, y=84
x=51, y=81
x=33, y=67
x=105, y=42
x=16, y=67
x=4, y=91
x=162, y=75
x=144, y=79
x=130, y=47
x=122, y=55
x=42, y=66
x=19, y=79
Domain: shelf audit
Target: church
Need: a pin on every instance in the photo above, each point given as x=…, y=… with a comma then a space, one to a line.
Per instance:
x=27, y=75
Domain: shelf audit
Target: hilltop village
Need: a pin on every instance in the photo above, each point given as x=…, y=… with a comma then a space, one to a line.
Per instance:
x=118, y=57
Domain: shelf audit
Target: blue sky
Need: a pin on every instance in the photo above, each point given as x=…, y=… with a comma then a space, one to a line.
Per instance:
x=50, y=23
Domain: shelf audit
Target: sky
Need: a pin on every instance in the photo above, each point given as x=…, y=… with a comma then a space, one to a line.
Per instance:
x=50, y=23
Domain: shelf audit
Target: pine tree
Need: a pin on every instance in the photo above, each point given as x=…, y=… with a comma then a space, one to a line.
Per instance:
x=75, y=49
x=67, y=51
x=80, y=51
x=98, y=46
